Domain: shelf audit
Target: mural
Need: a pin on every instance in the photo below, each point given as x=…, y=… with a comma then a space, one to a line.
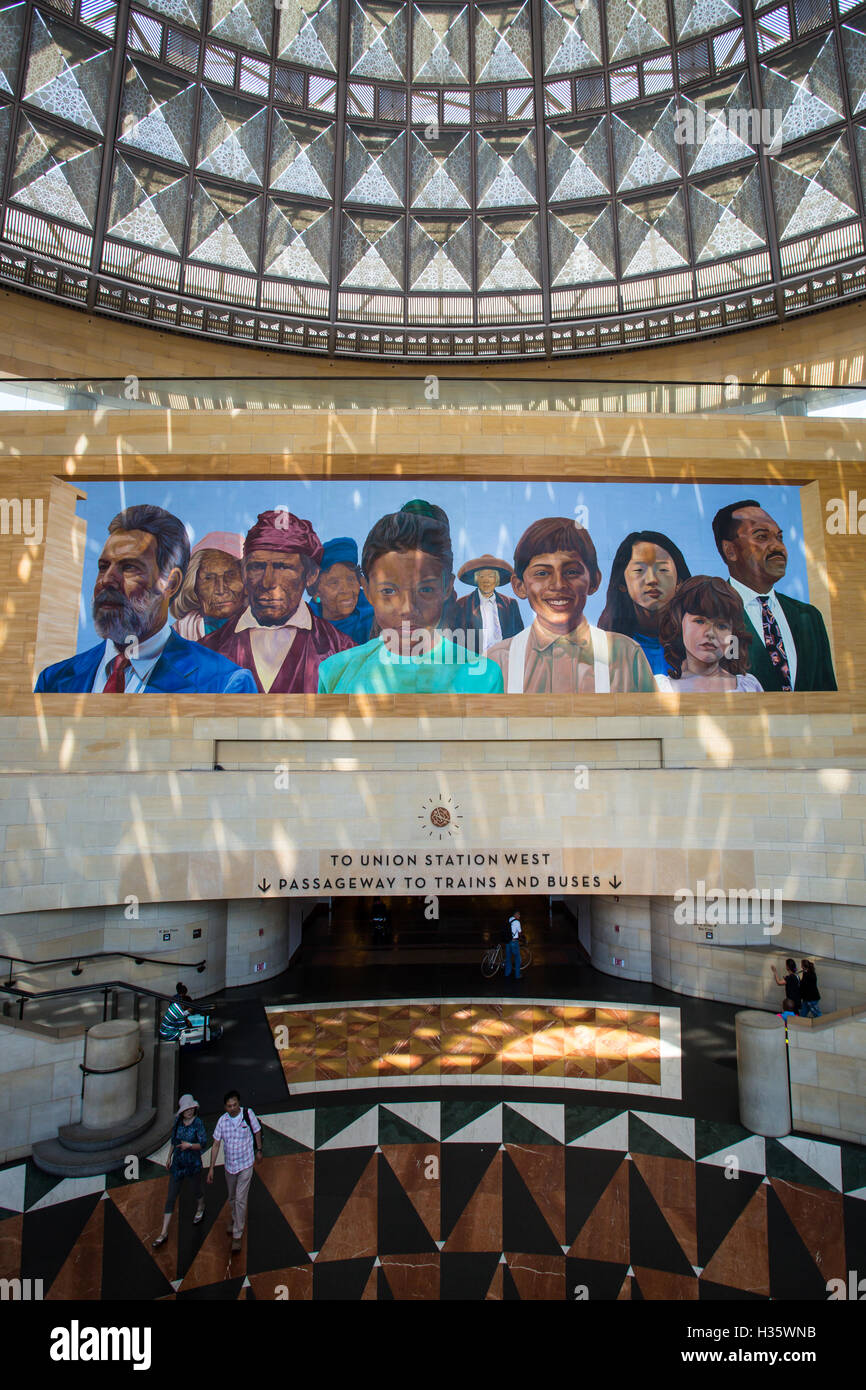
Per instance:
x=492, y=588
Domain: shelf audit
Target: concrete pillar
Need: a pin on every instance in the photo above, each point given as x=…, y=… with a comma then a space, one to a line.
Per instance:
x=110, y=1099
x=762, y=1074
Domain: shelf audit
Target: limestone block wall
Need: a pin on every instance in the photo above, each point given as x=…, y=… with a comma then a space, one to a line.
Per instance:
x=46, y=935
x=621, y=932
x=258, y=940
x=828, y=1076
x=40, y=1087
x=735, y=967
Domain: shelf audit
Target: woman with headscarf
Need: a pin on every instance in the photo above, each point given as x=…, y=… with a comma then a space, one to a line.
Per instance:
x=213, y=586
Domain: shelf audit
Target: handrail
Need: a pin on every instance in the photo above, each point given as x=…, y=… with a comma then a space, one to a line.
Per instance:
x=197, y=965
x=107, y=987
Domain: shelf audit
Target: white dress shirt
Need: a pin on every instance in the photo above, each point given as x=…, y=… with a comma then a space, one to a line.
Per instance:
x=141, y=664
x=490, y=618
x=271, y=645
x=752, y=605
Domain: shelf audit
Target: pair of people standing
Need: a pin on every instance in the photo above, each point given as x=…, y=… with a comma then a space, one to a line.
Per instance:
x=239, y=1129
x=801, y=990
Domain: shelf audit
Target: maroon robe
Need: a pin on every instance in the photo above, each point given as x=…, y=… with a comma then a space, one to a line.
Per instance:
x=299, y=673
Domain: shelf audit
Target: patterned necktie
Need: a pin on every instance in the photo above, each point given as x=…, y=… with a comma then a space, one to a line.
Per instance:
x=773, y=640
x=116, y=683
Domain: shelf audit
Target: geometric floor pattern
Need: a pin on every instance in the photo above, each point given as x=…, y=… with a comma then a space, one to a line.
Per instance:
x=586, y=1045
x=462, y=1199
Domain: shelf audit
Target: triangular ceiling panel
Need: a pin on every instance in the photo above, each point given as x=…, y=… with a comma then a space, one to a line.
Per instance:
x=309, y=31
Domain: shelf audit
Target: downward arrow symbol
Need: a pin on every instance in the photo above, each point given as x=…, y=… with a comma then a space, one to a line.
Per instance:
x=264, y=885
x=615, y=882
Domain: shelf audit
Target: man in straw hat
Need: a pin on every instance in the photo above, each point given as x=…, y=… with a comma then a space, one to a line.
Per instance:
x=276, y=636
x=484, y=612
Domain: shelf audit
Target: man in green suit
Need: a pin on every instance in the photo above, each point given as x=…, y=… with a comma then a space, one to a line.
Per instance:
x=790, y=649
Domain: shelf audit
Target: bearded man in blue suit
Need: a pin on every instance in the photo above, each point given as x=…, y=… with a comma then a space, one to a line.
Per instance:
x=141, y=568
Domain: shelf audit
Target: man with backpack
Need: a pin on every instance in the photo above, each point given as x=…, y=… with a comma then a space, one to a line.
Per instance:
x=512, y=935
x=241, y=1133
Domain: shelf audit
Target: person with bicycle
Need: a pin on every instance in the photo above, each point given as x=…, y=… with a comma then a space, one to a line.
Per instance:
x=512, y=935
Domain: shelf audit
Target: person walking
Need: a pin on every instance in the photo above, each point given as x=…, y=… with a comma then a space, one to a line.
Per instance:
x=511, y=939
x=188, y=1140
x=240, y=1131
x=791, y=985
x=809, y=995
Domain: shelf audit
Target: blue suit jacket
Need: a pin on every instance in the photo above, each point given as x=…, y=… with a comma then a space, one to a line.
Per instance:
x=184, y=668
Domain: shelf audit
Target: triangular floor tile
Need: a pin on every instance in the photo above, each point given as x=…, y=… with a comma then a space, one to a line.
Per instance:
x=793, y=1271
x=466, y=1277
x=823, y=1159
x=653, y=1243
x=337, y=1174
x=742, y=1260
x=67, y=1190
x=605, y=1235
x=677, y=1130
x=271, y=1241
x=717, y=1136
x=750, y=1155
x=354, y=1234
x=129, y=1269
x=462, y=1168
x=50, y=1236
x=422, y=1115
x=819, y=1220
x=483, y=1123
x=290, y=1179
x=419, y=1179
x=588, y=1173
x=532, y=1122
x=538, y=1278
x=13, y=1182
x=289, y=1133
x=542, y=1170
x=609, y=1134
x=854, y=1169
x=393, y=1129
x=720, y=1203
x=401, y=1230
x=524, y=1227
x=480, y=1225
x=81, y=1274
x=601, y=1279
x=356, y=1133
x=672, y=1184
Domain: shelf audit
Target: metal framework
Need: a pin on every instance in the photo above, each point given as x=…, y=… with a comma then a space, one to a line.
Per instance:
x=441, y=181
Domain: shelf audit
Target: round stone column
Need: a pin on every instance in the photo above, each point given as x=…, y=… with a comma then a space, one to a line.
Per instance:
x=762, y=1074
x=110, y=1099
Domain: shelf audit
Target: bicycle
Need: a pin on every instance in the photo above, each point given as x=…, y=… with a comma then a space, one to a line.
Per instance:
x=493, y=960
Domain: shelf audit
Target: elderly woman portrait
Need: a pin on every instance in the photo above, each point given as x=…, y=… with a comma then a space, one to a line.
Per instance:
x=213, y=587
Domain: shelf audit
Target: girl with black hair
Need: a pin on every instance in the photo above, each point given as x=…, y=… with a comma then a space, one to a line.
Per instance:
x=646, y=570
x=407, y=567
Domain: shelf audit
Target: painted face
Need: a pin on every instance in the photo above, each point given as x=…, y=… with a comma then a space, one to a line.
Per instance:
x=219, y=585
x=130, y=597
x=650, y=576
x=756, y=556
x=275, y=581
x=557, y=587
x=408, y=590
x=338, y=588
x=487, y=581
x=706, y=640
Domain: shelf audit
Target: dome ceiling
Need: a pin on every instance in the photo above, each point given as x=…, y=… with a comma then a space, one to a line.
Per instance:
x=451, y=180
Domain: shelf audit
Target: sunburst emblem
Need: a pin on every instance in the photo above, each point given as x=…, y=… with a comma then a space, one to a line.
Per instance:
x=440, y=817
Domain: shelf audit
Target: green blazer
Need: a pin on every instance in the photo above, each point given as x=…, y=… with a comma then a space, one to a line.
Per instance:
x=814, y=661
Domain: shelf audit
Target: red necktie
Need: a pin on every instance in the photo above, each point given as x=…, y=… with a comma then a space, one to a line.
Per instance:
x=116, y=683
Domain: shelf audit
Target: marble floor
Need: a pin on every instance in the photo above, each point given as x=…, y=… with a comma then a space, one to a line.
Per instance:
x=579, y=1044
x=471, y=1198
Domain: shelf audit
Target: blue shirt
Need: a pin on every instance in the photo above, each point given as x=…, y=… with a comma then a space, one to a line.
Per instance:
x=653, y=651
x=187, y=1161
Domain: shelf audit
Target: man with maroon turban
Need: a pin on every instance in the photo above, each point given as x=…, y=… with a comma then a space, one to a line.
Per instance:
x=276, y=636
